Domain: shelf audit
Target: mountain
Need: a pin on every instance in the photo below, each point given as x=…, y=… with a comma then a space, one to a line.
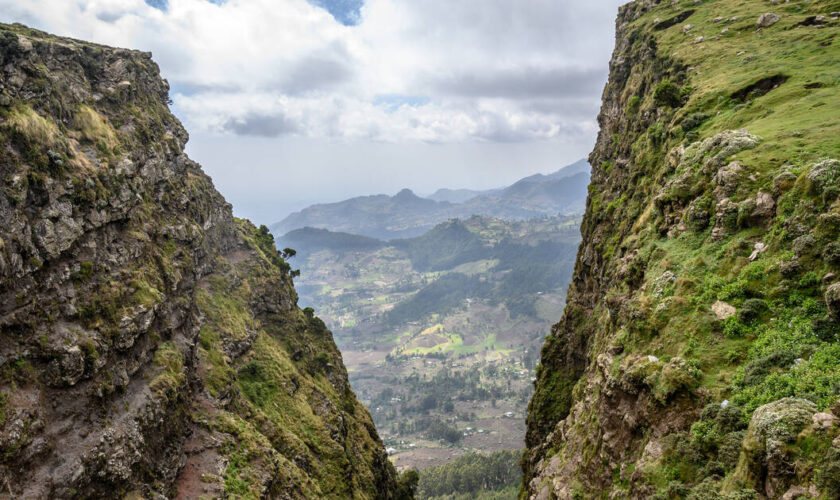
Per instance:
x=380, y=216
x=406, y=215
x=455, y=195
x=151, y=346
x=698, y=353
x=440, y=332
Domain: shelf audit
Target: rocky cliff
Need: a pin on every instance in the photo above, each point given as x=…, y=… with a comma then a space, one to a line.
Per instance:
x=150, y=343
x=698, y=355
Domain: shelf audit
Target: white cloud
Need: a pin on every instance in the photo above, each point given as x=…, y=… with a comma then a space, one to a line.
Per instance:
x=482, y=70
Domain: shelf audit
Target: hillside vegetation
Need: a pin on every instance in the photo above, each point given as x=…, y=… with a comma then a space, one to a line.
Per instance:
x=698, y=354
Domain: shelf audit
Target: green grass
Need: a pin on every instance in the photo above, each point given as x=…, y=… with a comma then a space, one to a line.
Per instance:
x=655, y=219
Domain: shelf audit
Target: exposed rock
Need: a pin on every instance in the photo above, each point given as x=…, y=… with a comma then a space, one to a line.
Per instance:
x=772, y=427
x=824, y=421
x=713, y=151
x=804, y=245
x=824, y=174
x=765, y=206
x=783, y=182
x=728, y=177
x=832, y=300
x=722, y=310
x=766, y=20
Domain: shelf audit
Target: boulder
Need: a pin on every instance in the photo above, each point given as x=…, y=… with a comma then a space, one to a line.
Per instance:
x=765, y=461
x=722, y=310
x=766, y=20
x=728, y=176
x=765, y=206
x=823, y=421
x=824, y=174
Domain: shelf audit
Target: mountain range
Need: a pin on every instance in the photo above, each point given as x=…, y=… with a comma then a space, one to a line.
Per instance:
x=407, y=215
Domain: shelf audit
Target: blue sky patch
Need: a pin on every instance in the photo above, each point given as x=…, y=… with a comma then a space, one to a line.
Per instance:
x=162, y=5
x=392, y=102
x=344, y=11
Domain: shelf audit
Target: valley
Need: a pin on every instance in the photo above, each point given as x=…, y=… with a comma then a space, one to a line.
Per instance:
x=441, y=333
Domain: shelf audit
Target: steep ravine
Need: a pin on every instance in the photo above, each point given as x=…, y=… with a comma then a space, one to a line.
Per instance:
x=150, y=343
x=698, y=355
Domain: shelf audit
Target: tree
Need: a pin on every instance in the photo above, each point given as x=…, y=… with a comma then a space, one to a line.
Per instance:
x=407, y=485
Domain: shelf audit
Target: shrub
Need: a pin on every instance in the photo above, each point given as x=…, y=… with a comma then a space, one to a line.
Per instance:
x=734, y=328
x=757, y=369
x=751, y=310
x=828, y=476
x=693, y=121
x=667, y=94
x=633, y=105
x=825, y=329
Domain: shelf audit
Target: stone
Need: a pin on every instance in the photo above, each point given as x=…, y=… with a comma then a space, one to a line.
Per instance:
x=765, y=462
x=824, y=174
x=783, y=182
x=766, y=20
x=823, y=421
x=722, y=310
x=67, y=368
x=712, y=152
x=765, y=206
x=728, y=177
x=832, y=301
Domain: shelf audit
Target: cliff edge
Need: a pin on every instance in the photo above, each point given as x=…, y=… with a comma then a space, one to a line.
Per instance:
x=698, y=355
x=150, y=343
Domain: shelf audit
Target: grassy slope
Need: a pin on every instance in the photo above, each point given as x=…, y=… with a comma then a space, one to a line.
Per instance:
x=739, y=359
x=279, y=399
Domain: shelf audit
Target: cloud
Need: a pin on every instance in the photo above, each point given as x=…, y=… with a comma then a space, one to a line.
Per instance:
x=435, y=71
x=261, y=125
x=524, y=83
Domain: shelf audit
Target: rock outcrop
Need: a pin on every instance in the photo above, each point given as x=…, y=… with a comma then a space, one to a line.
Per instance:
x=703, y=312
x=150, y=343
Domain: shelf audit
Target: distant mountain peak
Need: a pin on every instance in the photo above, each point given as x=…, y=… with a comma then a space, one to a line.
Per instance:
x=405, y=194
x=406, y=214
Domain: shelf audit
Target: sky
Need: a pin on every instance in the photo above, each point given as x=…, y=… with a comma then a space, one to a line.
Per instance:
x=293, y=102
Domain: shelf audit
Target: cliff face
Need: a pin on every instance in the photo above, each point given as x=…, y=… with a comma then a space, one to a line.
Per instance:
x=698, y=355
x=150, y=343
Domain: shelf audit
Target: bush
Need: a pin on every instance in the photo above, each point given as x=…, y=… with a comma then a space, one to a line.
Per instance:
x=752, y=310
x=633, y=105
x=693, y=121
x=734, y=328
x=757, y=369
x=828, y=476
x=667, y=94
